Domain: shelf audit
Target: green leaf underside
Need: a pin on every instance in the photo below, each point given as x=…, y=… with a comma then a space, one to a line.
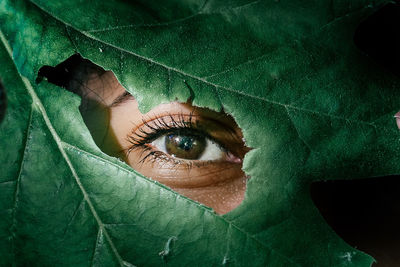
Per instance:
x=73, y=196
x=311, y=106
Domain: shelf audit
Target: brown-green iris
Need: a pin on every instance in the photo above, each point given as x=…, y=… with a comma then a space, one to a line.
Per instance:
x=185, y=146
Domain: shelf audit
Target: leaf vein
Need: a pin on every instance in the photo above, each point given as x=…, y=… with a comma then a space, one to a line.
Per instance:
x=297, y=131
x=152, y=61
x=37, y=102
x=247, y=4
x=17, y=185
x=339, y=18
x=70, y=39
x=95, y=247
x=150, y=25
x=7, y=182
x=205, y=209
x=73, y=216
x=249, y=61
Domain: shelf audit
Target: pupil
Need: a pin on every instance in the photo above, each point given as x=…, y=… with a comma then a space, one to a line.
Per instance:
x=186, y=143
x=185, y=146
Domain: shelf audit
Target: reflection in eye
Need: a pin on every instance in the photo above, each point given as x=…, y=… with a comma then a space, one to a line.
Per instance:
x=179, y=139
x=187, y=146
x=194, y=151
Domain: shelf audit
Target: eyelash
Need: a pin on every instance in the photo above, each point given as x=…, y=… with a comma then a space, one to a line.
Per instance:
x=179, y=123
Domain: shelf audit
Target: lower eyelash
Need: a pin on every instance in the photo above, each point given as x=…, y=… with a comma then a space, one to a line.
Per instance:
x=148, y=154
x=158, y=127
x=140, y=138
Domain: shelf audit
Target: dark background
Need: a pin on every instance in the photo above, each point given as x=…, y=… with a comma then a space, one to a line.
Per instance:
x=366, y=212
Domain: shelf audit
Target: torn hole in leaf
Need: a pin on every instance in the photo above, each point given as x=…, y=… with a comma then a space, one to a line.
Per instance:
x=193, y=150
x=365, y=213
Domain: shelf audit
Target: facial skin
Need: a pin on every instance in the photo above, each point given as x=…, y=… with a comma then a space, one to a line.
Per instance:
x=195, y=151
x=118, y=128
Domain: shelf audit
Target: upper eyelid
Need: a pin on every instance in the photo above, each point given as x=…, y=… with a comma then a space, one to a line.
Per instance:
x=158, y=118
x=161, y=127
x=121, y=99
x=191, y=115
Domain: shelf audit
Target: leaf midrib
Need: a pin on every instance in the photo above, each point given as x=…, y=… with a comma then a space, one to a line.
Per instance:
x=60, y=144
x=200, y=79
x=37, y=102
x=206, y=209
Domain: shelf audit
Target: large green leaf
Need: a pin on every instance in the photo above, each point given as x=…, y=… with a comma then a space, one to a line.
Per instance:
x=310, y=105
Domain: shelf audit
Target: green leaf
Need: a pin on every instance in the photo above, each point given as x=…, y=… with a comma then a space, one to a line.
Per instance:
x=310, y=105
x=3, y=102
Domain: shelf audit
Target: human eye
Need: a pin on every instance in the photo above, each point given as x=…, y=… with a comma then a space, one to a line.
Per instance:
x=195, y=151
x=188, y=145
x=182, y=139
x=187, y=150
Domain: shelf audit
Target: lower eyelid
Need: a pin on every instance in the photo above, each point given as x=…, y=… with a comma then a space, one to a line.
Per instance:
x=181, y=173
x=212, y=168
x=190, y=179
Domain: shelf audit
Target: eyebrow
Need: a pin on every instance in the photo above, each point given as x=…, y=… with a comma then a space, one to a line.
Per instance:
x=125, y=96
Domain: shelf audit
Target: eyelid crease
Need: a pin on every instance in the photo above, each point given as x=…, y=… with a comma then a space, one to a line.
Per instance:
x=159, y=126
x=168, y=115
x=168, y=162
x=158, y=130
x=121, y=99
x=181, y=116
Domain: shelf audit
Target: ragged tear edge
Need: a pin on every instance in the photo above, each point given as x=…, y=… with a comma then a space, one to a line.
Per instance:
x=97, y=153
x=248, y=157
x=187, y=96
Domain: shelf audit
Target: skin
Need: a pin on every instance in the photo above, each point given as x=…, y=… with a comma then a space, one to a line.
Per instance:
x=115, y=121
x=112, y=116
